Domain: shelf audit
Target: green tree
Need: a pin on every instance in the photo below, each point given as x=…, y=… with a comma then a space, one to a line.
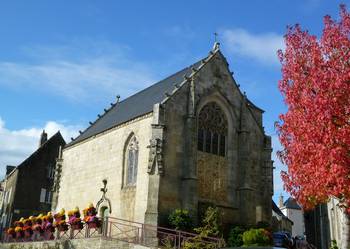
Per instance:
x=210, y=228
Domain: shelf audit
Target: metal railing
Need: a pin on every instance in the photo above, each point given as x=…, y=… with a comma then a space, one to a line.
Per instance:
x=123, y=230
x=154, y=236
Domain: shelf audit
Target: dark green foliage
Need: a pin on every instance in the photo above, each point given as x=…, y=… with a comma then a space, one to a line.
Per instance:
x=263, y=224
x=210, y=223
x=210, y=228
x=257, y=237
x=235, y=237
x=334, y=244
x=181, y=219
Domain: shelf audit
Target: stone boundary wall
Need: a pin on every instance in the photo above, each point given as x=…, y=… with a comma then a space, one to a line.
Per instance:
x=90, y=243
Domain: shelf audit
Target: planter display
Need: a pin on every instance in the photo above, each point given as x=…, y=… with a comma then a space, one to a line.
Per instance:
x=90, y=217
x=60, y=221
x=43, y=227
x=74, y=219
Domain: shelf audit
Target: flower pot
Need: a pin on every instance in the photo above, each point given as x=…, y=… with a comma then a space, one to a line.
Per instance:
x=63, y=227
x=28, y=233
x=19, y=235
x=78, y=226
x=93, y=225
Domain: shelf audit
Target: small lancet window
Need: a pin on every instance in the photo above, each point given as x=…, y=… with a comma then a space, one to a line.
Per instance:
x=132, y=154
x=212, y=130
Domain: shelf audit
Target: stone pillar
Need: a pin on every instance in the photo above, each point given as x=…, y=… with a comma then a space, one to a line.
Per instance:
x=43, y=138
x=267, y=180
x=189, y=175
x=155, y=166
x=155, y=170
x=247, y=198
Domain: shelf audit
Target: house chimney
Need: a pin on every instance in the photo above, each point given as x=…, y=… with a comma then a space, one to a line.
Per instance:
x=280, y=201
x=43, y=138
x=9, y=169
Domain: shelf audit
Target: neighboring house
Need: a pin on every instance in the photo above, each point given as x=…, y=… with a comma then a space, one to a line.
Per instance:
x=189, y=141
x=9, y=169
x=27, y=187
x=5, y=193
x=294, y=212
x=324, y=224
x=280, y=222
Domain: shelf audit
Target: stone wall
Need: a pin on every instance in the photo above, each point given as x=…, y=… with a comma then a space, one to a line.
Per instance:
x=245, y=174
x=86, y=164
x=92, y=243
x=173, y=174
x=212, y=178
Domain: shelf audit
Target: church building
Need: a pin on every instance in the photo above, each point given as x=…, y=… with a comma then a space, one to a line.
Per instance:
x=190, y=141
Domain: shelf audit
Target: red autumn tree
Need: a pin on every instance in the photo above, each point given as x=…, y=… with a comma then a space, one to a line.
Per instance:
x=315, y=131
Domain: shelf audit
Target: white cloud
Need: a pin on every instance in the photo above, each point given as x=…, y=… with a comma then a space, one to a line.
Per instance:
x=17, y=145
x=260, y=47
x=78, y=71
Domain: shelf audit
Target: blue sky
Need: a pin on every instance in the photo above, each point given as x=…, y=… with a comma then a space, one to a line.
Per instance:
x=62, y=62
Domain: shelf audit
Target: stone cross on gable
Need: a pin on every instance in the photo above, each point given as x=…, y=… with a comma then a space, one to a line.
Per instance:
x=216, y=36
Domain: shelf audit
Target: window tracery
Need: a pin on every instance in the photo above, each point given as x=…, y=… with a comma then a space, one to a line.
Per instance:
x=212, y=130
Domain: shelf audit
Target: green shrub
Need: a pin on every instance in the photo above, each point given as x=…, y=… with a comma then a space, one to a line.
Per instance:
x=181, y=219
x=334, y=244
x=210, y=227
x=257, y=237
x=210, y=223
x=235, y=237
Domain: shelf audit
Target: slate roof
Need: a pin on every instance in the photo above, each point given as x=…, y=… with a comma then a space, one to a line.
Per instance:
x=56, y=136
x=276, y=209
x=136, y=105
x=291, y=203
x=142, y=102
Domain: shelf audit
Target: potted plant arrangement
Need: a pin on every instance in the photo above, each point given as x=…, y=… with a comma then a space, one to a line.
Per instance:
x=74, y=219
x=44, y=226
x=19, y=228
x=37, y=227
x=60, y=221
x=11, y=233
x=28, y=231
x=48, y=226
x=90, y=217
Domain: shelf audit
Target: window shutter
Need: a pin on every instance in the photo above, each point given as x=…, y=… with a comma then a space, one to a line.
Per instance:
x=48, y=197
x=50, y=171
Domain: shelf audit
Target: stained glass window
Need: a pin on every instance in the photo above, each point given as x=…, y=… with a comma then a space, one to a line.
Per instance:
x=132, y=160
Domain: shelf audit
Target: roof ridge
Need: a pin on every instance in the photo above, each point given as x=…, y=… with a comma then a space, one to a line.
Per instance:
x=144, y=100
x=204, y=61
x=41, y=147
x=100, y=116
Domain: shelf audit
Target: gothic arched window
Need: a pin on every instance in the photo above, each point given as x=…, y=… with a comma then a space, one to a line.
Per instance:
x=212, y=130
x=132, y=154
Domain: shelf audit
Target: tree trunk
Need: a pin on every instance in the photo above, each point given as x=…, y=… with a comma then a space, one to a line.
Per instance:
x=345, y=238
